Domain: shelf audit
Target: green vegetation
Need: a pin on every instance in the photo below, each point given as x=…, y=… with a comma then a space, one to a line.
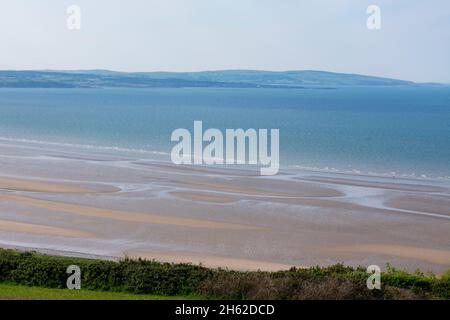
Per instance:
x=140, y=277
x=206, y=79
x=17, y=292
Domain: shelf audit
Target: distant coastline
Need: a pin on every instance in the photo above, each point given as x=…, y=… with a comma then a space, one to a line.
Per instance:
x=305, y=79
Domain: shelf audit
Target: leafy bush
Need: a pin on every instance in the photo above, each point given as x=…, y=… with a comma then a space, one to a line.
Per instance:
x=151, y=277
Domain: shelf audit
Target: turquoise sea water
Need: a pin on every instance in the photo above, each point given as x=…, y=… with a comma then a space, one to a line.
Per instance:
x=405, y=130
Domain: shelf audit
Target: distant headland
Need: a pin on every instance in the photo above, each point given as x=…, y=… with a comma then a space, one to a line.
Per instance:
x=215, y=79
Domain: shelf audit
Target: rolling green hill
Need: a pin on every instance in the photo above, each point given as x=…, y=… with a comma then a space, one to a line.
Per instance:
x=219, y=79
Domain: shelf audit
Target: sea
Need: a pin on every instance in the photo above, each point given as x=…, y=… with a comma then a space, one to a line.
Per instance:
x=382, y=131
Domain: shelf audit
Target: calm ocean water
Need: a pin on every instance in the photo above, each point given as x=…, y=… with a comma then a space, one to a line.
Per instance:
x=405, y=130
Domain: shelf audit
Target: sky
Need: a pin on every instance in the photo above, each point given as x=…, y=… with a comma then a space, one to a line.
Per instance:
x=194, y=35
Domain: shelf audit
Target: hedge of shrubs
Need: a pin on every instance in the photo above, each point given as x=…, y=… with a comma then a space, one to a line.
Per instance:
x=151, y=277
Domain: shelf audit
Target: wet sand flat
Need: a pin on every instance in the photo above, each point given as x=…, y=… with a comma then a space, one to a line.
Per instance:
x=122, y=215
x=434, y=204
x=11, y=226
x=39, y=186
x=111, y=205
x=424, y=254
x=210, y=261
x=208, y=197
x=260, y=187
x=393, y=185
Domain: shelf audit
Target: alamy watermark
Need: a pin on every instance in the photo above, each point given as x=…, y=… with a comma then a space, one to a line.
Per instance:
x=236, y=146
x=374, y=20
x=74, y=17
x=74, y=280
x=374, y=280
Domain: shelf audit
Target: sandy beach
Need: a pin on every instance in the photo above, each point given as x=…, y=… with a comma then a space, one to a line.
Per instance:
x=83, y=202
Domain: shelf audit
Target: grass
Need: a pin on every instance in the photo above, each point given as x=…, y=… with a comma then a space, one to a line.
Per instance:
x=17, y=292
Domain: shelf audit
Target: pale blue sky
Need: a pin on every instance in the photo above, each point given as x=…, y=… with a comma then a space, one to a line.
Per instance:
x=191, y=35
